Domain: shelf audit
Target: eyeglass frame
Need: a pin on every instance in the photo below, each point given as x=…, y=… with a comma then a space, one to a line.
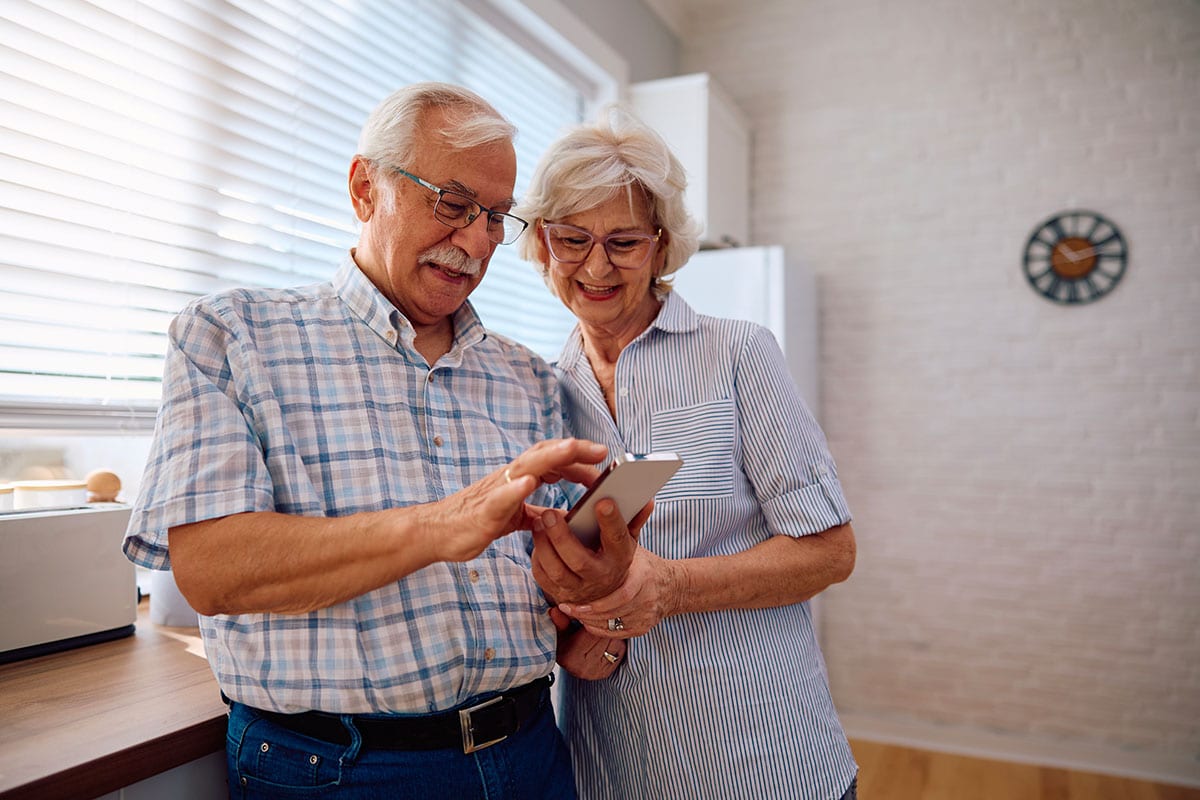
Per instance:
x=654, y=242
x=482, y=209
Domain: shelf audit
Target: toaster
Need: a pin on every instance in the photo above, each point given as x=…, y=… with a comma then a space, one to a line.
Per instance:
x=64, y=581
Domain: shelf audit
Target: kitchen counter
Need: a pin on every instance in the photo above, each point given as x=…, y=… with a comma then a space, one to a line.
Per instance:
x=89, y=721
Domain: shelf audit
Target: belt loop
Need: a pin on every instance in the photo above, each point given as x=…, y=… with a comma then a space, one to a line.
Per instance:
x=352, y=751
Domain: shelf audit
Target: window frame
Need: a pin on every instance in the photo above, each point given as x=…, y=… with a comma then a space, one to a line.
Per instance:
x=545, y=29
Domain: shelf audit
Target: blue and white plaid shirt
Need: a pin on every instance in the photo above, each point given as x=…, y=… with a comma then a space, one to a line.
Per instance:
x=312, y=401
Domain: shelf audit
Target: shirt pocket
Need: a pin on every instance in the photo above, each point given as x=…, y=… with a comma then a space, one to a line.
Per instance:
x=704, y=436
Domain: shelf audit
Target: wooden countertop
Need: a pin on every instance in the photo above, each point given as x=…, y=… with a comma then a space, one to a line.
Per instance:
x=88, y=721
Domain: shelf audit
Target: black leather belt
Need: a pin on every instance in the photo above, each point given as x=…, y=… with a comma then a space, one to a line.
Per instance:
x=474, y=728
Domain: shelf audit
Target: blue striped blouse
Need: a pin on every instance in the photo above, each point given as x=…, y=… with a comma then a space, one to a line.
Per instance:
x=723, y=704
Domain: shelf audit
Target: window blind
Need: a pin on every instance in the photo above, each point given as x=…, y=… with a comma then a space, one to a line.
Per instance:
x=154, y=152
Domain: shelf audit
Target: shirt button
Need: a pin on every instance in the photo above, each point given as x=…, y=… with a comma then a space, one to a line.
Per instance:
x=624, y=392
x=473, y=575
x=431, y=377
x=489, y=654
x=437, y=440
x=390, y=336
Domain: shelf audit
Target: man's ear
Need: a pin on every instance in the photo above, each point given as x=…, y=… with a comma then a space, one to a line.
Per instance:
x=361, y=184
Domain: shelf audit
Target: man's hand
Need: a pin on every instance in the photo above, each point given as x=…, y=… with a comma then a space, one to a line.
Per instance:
x=569, y=571
x=463, y=524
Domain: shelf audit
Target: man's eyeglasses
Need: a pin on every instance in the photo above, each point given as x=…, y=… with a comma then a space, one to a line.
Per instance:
x=571, y=245
x=458, y=211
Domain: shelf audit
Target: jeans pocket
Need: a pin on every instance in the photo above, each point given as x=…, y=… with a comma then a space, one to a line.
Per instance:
x=271, y=761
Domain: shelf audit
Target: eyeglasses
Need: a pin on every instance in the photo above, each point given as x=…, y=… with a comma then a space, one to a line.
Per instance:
x=458, y=211
x=571, y=245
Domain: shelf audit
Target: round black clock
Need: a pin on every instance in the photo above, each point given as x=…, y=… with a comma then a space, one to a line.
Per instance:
x=1075, y=257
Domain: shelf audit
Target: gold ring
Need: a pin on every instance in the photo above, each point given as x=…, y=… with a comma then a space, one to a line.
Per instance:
x=612, y=657
x=616, y=624
x=507, y=475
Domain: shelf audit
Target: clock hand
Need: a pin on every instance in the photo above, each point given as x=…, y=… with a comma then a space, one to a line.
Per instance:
x=1077, y=255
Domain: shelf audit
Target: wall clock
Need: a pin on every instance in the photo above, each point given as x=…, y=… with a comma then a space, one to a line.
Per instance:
x=1075, y=257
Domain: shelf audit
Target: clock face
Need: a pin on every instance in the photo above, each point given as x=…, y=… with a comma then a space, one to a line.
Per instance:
x=1075, y=257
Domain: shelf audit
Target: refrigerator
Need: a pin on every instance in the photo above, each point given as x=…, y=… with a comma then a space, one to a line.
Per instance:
x=760, y=284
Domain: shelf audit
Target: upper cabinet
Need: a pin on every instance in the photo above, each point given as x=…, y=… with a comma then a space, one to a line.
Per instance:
x=711, y=137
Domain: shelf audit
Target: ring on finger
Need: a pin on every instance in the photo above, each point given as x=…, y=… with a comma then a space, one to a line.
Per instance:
x=508, y=474
x=612, y=658
x=616, y=624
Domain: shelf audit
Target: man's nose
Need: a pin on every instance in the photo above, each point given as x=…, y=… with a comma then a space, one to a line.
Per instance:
x=473, y=239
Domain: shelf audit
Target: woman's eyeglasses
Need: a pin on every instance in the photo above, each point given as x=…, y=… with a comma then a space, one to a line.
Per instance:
x=571, y=245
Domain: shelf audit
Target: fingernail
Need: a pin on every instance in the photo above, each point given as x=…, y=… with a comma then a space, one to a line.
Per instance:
x=566, y=609
x=606, y=507
x=537, y=525
x=547, y=519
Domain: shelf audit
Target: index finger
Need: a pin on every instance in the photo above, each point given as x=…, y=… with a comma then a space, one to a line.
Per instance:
x=570, y=458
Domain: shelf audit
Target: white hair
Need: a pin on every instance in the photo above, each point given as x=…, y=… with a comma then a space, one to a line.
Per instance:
x=592, y=163
x=388, y=136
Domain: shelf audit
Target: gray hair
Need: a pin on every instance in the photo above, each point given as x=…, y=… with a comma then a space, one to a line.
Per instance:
x=592, y=163
x=388, y=135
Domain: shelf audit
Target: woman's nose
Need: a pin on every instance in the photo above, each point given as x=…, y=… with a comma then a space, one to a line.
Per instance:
x=597, y=264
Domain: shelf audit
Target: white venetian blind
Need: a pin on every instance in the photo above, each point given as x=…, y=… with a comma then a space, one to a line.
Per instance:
x=153, y=152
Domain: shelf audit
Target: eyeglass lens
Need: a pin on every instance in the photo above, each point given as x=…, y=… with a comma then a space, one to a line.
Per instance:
x=459, y=211
x=571, y=245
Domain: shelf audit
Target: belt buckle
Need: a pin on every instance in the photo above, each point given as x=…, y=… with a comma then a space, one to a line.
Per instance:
x=468, y=730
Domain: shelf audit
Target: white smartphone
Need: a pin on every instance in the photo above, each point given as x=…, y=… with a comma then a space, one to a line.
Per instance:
x=630, y=481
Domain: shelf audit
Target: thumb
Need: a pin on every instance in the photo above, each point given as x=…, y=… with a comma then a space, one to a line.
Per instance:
x=614, y=534
x=561, y=621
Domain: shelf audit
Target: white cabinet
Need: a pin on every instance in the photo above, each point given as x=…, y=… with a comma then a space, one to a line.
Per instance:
x=711, y=137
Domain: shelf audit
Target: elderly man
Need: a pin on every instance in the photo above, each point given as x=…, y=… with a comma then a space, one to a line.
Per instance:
x=334, y=479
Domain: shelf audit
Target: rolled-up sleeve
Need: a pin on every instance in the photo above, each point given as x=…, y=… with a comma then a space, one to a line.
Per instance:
x=785, y=453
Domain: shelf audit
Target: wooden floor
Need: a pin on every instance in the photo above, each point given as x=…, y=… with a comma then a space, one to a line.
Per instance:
x=888, y=772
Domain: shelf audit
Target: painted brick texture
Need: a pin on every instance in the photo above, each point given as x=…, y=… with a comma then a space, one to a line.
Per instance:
x=1025, y=477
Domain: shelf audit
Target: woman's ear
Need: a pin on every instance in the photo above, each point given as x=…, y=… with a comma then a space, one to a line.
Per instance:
x=542, y=253
x=361, y=184
x=660, y=253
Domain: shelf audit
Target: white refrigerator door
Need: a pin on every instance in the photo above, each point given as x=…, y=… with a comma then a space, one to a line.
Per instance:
x=758, y=284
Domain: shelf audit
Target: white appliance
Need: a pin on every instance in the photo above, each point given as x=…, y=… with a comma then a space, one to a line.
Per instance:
x=64, y=581
x=759, y=284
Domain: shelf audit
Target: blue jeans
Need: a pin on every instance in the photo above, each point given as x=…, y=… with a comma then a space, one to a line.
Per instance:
x=268, y=761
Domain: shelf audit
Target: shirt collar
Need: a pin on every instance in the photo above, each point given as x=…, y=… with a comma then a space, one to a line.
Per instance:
x=367, y=303
x=675, y=316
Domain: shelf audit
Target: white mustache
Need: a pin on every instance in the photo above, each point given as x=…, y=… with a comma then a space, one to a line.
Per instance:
x=447, y=255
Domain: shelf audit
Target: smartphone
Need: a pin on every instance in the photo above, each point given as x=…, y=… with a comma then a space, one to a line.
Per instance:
x=630, y=481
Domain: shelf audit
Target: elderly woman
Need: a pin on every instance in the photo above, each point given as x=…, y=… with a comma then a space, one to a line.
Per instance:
x=717, y=687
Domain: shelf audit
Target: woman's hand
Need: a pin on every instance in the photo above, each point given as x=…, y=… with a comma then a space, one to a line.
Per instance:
x=652, y=591
x=568, y=570
x=583, y=654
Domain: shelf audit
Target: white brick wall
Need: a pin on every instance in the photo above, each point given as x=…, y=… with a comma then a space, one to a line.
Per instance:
x=1025, y=477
